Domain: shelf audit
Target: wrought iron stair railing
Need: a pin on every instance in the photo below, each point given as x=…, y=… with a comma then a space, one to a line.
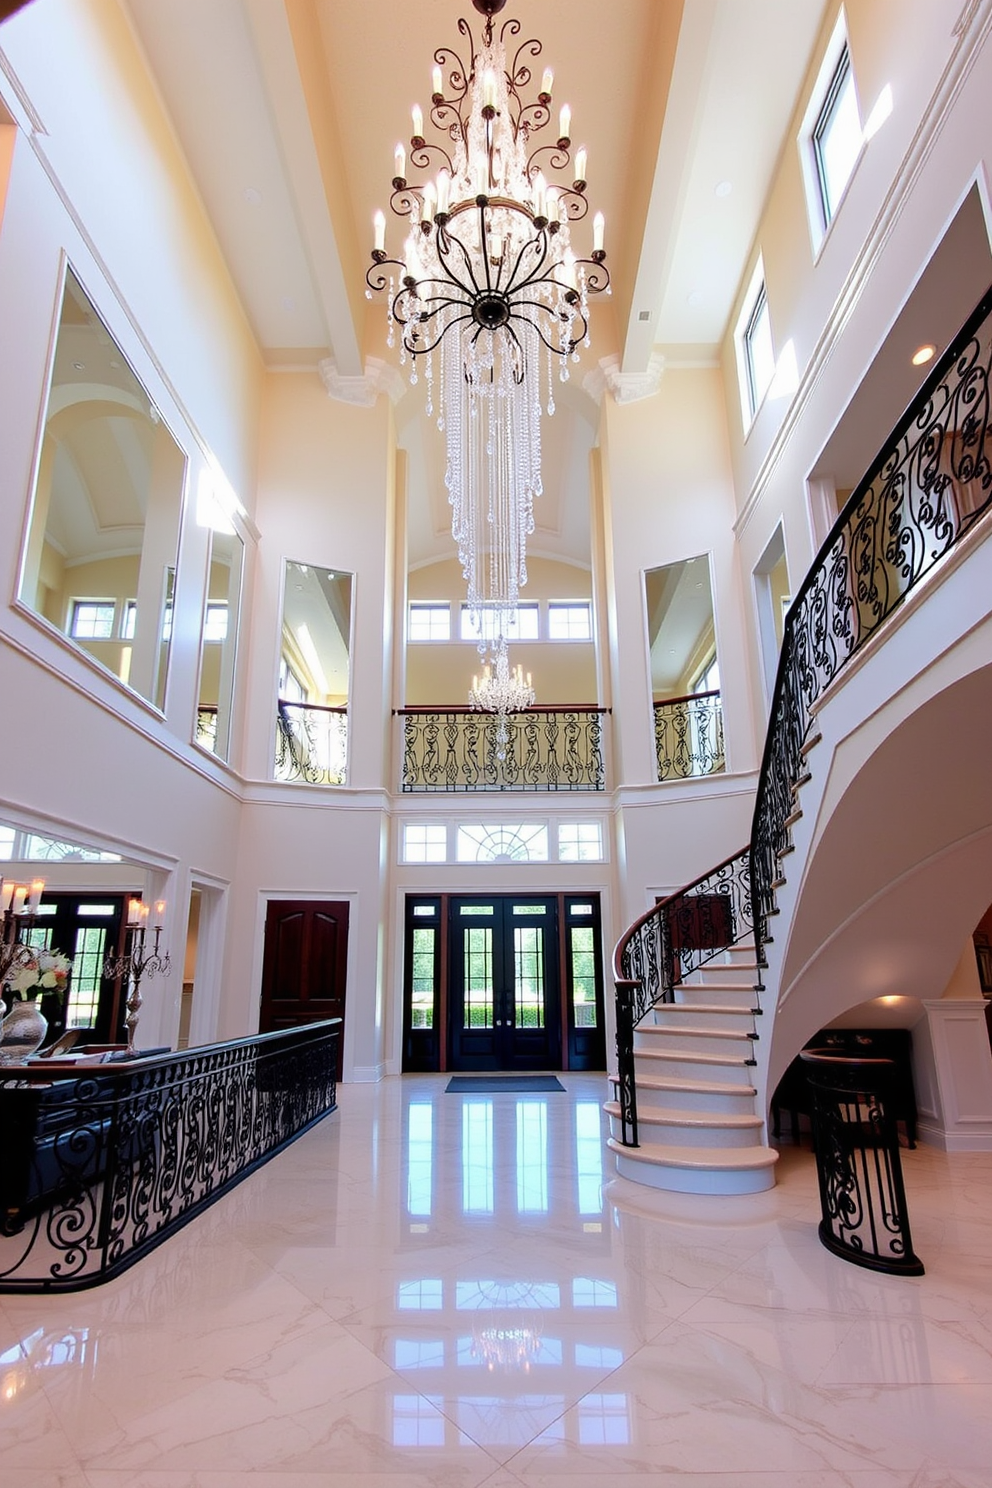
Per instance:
x=927, y=488
x=660, y=949
x=548, y=749
x=688, y=736
x=311, y=743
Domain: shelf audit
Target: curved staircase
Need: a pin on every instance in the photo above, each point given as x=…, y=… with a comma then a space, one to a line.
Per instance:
x=699, y=1131
x=690, y=972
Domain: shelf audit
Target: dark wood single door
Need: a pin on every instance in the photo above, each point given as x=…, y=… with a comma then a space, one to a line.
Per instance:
x=305, y=964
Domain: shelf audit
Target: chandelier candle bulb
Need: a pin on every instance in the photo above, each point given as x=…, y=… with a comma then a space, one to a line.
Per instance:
x=399, y=161
x=133, y=912
x=6, y=895
x=20, y=898
x=489, y=89
x=37, y=889
x=379, y=224
x=443, y=192
x=598, y=232
x=438, y=83
x=547, y=82
x=418, y=121
x=565, y=122
x=159, y=913
x=581, y=162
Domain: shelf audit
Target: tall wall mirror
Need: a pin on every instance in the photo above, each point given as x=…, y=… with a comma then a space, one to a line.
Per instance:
x=314, y=668
x=219, y=641
x=685, y=672
x=101, y=551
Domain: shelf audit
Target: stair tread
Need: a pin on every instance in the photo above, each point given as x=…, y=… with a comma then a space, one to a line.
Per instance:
x=731, y=1061
x=678, y=1084
x=706, y=1158
x=698, y=1007
x=667, y=1116
x=681, y=1030
x=716, y=986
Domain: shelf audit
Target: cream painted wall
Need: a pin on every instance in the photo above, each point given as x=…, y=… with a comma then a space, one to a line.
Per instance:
x=836, y=306
x=562, y=671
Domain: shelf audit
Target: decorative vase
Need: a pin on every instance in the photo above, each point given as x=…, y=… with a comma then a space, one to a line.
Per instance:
x=24, y=1029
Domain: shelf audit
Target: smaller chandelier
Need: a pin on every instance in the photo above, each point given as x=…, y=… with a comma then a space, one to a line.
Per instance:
x=503, y=693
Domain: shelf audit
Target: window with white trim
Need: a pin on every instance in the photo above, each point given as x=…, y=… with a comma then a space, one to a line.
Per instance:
x=92, y=619
x=425, y=842
x=429, y=621
x=832, y=136
x=759, y=354
x=580, y=842
x=502, y=843
x=523, y=624
x=570, y=620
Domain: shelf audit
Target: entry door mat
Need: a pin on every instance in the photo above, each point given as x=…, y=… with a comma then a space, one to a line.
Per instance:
x=471, y=1084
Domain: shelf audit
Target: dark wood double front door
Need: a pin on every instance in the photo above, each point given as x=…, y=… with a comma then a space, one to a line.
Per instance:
x=305, y=964
x=503, y=982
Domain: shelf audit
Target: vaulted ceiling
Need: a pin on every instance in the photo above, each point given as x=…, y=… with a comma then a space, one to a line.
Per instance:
x=289, y=110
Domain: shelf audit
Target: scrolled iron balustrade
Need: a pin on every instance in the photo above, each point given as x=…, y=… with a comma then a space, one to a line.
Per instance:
x=311, y=743
x=206, y=726
x=104, y=1162
x=548, y=749
x=862, y=1195
x=929, y=485
x=661, y=948
x=688, y=736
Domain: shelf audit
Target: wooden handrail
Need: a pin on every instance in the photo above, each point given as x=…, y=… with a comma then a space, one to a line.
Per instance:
x=655, y=909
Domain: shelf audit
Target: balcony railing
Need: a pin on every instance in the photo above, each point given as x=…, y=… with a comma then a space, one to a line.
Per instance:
x=688, y=736
x=311, y=743
x=548, y=749
x=206, y=726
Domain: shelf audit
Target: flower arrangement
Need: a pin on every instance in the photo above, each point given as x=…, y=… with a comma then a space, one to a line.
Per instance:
x=45, y=971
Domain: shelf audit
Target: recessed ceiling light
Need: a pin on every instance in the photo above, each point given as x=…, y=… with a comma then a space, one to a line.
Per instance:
x=79, y=366
x=723, y=188
x=644, y=314
x=924, y=354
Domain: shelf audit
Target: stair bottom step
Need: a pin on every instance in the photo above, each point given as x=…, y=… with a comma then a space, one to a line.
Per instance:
x=701, y=1170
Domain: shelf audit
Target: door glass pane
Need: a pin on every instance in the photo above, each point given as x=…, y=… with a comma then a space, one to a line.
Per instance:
x=476, y=909
x=532, y=1157
x=422, y=990
x=478, y=997
x=529, y=909
x=528, y=976
x=87, y=972
x=477, y=1157
x=583, y=955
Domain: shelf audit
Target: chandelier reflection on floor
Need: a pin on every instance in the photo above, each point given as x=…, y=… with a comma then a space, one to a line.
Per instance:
x=490, y=281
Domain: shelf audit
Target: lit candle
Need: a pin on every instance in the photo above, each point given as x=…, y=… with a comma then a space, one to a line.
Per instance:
x=489, y=88
x=6, y=894
x=159, y=913
x=565, y=122
x=145, y=911
x=581, y=160
x=430, y=199
x=379, y=223
x=475, y=683
x=553, y=200
x=598, y=232
x=399, y=162
x=20, y=894
x=528, y=679
x=568, y=270
x=438, y=82
x=37, y=889
x=411, y=258
x=133, y=912
x=443, y=191
x=540, y=195
x=418, y=121
x=547, y=81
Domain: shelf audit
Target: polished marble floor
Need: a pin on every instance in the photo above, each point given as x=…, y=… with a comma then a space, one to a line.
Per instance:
x=442, y=1291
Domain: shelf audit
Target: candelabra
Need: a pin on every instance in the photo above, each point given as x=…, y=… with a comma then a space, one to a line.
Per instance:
x=18, y=907
x=138, y=960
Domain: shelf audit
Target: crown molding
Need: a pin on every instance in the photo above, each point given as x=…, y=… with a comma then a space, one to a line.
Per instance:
x=362, y=392
x=626, y=387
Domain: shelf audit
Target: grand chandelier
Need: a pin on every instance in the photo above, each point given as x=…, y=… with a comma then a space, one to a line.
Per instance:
x=501, y=692
x=489, y=280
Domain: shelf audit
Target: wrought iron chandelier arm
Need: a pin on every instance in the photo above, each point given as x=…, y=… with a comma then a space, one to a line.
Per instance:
x=421, y=151
x=376, y=278
x=421, y=348
x=597, y=274
x=444, y=238
x=553, y=346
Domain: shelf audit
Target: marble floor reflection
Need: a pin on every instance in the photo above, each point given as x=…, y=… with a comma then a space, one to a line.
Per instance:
x=443, y=1291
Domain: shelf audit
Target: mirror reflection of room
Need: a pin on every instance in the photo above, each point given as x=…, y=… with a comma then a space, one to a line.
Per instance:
x=685, y=673
x=218, y=640
x=101, y=551
x=314, y=667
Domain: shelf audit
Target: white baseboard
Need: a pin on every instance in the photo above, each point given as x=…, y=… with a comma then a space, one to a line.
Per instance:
x=935, y=1136
x=366, y=1074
